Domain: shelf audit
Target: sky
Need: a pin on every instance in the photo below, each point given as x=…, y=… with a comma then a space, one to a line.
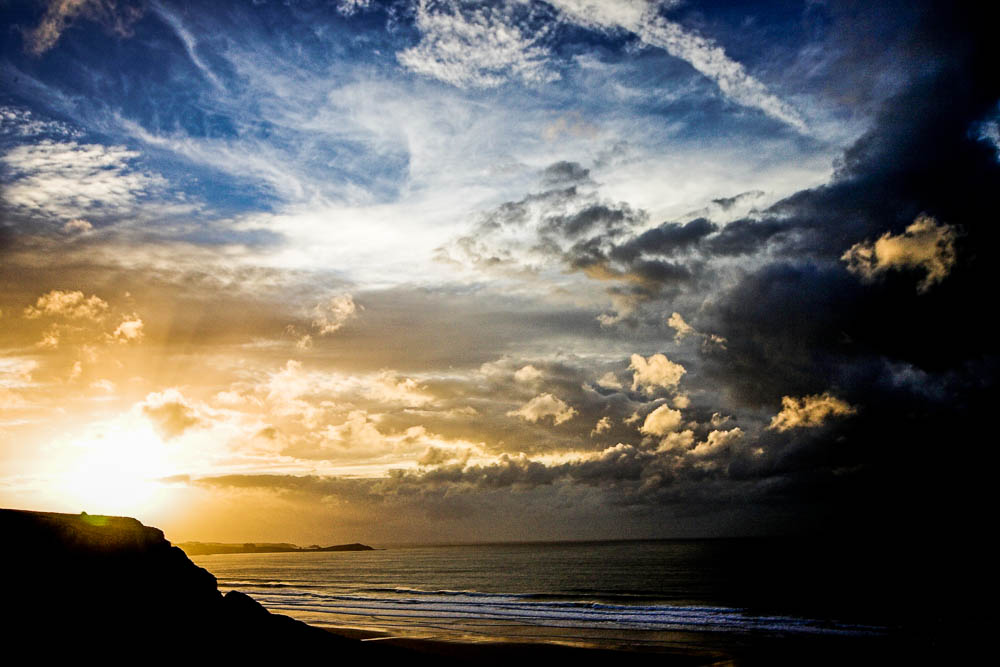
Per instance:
x=320, y=271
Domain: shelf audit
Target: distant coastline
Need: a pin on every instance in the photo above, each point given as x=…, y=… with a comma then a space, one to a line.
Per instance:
x=209, y=548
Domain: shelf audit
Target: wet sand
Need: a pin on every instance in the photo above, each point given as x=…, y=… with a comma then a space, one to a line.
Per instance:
x=696, y=650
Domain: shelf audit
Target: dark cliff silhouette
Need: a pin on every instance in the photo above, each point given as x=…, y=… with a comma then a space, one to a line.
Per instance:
x=110, y=586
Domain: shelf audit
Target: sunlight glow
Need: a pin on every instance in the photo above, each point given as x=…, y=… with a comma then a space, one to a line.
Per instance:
x=116, y=468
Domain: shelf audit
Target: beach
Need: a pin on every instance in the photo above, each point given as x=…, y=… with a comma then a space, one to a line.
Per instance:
x=695, y=651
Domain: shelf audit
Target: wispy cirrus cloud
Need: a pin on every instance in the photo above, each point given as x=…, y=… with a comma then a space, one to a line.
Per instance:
x=65, y=179
x=471, y=45
x=643, y=18
x=477, y=45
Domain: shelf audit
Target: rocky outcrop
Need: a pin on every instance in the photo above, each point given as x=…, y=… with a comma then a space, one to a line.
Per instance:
x=109, y=586
x=209, y=548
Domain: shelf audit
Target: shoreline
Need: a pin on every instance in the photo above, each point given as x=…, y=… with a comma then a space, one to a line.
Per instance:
x=692, y=649
x=501, y=650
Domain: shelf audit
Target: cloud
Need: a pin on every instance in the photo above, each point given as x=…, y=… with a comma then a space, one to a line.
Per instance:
x=642, y=18
x=114, y=16
x=357, y=433
x=654, y=373
x=809, y=411
x=15, y=376
x=77, y=226
x=129, y=331
x=609, y=381
x=564, y=173
x=717, y=442
x=351, y=7
x=528, y=374
x=16, y=121
x=104, y=385
x=70, y=305
x=924, y=245
x=388, y=387
x=545, y=405
x=661, y=421
x=677, y=323
x=188, y=40
x=16, y=371
x=170, y=413
x=63, y=179
x=677, y=442
x=433, y=456
x=603, y=425
x=476, y=46
x=334, y=314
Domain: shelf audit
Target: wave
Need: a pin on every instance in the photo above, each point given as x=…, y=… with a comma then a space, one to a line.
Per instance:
x=539, y=609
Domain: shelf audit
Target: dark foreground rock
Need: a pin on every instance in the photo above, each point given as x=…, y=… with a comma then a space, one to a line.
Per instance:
x=110, y=587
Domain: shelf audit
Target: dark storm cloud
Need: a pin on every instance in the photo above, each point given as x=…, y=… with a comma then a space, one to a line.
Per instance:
x=565, y=173
x=604, y=218
x=669, y=238
x=802, y=324
x=726, y=203
x=919, y=158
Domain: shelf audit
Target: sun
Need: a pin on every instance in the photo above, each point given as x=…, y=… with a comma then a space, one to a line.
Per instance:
x=116, y=468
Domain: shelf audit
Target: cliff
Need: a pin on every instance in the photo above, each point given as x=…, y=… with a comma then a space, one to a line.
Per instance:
x=113, y=588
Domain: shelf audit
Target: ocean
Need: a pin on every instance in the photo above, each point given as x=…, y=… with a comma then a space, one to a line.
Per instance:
x=612, y=594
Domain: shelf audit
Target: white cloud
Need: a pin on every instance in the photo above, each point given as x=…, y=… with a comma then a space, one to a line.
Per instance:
x=661, y=421
x=528, y=374
x=609, y=381
x=71, y=305
x=477, y=46
x=129, y=331
x=349, y=7
x=170, y=413
x=63, y=179
x=388, y=387
x=718, y=419
x=924, y=245
x=334, y=314
x=809, y=411
x=655, y=372
x=717, y=442
x=359, y=437
x=678, y=441
x=683, y=329
x=77, y=226
x=356, y=433
x=23, y=123
x=642, y=19
x=603, y=425
x=545, y=405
